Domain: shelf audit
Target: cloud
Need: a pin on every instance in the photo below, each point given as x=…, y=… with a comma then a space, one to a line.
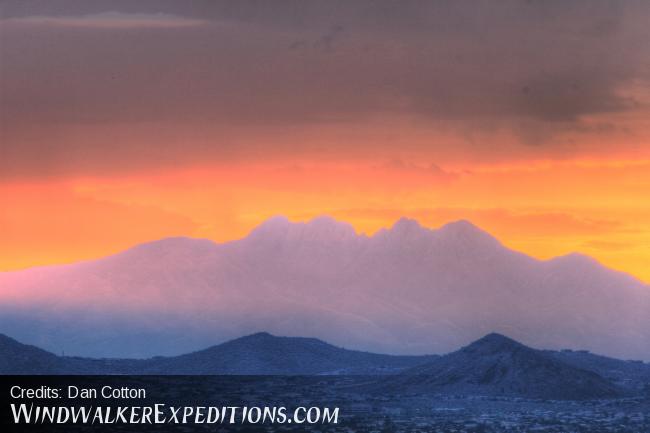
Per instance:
x=109, y=20
x=239, y=79
x=432, y=171
x=605, y=245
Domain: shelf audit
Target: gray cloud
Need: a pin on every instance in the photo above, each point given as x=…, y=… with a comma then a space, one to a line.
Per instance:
x=110, y=20
x=533, y=67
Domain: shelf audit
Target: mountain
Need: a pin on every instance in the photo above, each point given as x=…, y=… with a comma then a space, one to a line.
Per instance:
x=498, y=366
x=631, y=375
x=263, y=353
x=17, y=358
x=257, y=354
x=405, y=290
x=492, y=366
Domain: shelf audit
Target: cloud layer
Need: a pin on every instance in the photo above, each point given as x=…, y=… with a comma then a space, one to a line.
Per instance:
x=96, y=82
x=108, y=20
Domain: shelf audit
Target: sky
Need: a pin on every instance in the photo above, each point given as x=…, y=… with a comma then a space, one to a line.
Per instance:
x=123, y=122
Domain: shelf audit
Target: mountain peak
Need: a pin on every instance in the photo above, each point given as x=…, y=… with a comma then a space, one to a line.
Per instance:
x=323, y=227
x=406, y=224
x=461, y=224
x=464, y=232
x=404, y=228
x=574, y=259
x=495, y=338
x=327, y=225
x=498, y=365
x=259, y=336
x=463, y=227
x=271, y=228
x=274, y=222
x=492, y=343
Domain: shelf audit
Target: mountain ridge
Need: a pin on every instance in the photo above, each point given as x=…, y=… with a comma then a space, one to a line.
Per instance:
x=461, y=227
x=404, y=290
x=496, y=365
x=260, y=353
x=493, y=365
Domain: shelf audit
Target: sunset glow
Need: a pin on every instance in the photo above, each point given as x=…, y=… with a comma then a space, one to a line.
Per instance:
x=530, y=120
x=545, y=210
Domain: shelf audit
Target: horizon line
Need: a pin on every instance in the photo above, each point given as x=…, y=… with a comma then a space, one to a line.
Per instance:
x=471, y=342
x=358, y=233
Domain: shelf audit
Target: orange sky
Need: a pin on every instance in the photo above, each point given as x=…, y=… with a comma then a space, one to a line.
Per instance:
x=124, y=122
x=543, y=208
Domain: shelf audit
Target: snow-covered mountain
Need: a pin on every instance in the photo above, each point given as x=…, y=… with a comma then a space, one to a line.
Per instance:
x=405, y=290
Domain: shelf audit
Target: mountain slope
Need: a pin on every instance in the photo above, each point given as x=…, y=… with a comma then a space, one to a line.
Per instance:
x=18, y=358
x=257, y=354
x=263, y=353
x=498, y=366
x=494, y=365
x=632, y=375
x=404, y=290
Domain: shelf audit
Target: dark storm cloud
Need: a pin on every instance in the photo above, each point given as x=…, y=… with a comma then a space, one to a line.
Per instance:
x=532, y=66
